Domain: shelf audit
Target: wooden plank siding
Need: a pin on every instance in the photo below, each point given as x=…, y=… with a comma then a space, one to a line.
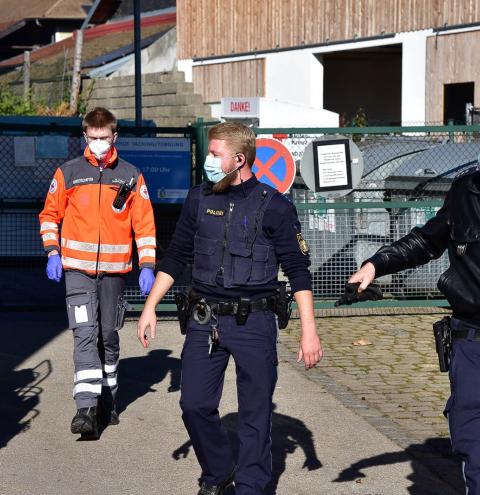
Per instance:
x=243, y=78
x=207, y=28
x=450, y=59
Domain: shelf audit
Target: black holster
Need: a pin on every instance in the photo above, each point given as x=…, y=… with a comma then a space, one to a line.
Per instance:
x=122, y=307
x=183, y=310
x=443, y=342
x=243, y=310
x=283, y=305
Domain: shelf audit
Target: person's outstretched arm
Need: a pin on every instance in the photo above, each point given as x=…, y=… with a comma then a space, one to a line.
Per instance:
x=148, y=318
x=310, y=350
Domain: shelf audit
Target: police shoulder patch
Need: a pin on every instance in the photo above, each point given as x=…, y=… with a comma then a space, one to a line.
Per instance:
x=302, y=244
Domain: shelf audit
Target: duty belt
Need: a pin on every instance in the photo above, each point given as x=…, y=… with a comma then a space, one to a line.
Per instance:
x=470, y=333
x=462, y=330
x=230, y=308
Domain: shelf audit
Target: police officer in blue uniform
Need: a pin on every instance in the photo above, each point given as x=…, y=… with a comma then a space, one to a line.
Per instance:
x=235, y=231
x=455, y=227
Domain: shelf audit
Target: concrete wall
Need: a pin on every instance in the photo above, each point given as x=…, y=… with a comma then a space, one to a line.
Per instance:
x=166, y=98
x=160, y=56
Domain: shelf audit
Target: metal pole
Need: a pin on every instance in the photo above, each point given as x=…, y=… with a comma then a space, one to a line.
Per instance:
x=138, y=62
x=26, y=75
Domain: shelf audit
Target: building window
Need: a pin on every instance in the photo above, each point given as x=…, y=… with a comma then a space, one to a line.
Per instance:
x=455, y=98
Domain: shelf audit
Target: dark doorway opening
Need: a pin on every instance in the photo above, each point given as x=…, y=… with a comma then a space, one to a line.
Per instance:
x=368, y=78
x=455, y=97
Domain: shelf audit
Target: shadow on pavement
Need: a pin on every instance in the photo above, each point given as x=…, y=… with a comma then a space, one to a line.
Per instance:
x=288, y=434
x=22, y=335
x=435, y=454
x=137, y=375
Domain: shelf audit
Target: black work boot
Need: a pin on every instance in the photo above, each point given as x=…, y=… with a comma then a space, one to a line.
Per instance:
x=107, y=412
x=85, y=422
x=216, y=489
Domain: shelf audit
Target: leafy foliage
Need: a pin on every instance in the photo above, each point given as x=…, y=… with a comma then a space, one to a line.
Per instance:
x=12, y=104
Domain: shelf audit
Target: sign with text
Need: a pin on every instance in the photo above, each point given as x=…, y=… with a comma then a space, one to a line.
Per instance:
x=240, y=107
x=164, y=162
x=332, y=165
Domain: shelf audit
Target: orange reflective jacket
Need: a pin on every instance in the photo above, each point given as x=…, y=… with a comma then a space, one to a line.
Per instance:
x=95, y=236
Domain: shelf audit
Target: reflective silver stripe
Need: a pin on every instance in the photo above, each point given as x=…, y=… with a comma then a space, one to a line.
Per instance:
x=146, y=241
x=146, y=252
x=88, y=247
x=48, y=226
x=80, y=264
x=103, y=266
x=49, y=237
x=109, y=382
x=110, y=368
x=87, y=375
x=87, y=387
x=115, y=248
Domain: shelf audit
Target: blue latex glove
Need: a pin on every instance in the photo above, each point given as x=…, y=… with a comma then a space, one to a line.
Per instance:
x=146, y=280
x=54, y=267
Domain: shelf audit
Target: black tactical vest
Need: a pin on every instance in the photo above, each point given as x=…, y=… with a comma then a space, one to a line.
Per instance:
x=229, y=242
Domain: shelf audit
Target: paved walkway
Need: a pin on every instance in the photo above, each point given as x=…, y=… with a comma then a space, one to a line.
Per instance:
x=327, y=440
x=383, y=365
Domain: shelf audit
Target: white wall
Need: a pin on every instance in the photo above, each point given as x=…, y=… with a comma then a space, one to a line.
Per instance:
x=294, y=76
x=414, y=59
x=274, y=113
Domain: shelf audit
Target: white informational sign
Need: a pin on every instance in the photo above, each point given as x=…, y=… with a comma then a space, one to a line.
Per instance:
x=240, y=107
x=332, y=165
x=24, y=151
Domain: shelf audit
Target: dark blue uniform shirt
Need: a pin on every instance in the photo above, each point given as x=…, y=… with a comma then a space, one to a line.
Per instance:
x=280, y=225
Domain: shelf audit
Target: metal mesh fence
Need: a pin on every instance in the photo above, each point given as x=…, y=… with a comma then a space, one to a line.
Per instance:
x=406, y=174
x=341, y=239
x=406, y=165
x=24, y=183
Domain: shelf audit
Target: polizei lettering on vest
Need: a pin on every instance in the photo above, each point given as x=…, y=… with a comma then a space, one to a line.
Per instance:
x=215, y=213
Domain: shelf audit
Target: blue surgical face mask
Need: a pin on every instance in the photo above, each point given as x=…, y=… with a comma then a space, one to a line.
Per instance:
x=213, y=169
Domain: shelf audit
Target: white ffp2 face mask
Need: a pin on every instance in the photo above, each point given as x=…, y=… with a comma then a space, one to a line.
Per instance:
x=99, y=148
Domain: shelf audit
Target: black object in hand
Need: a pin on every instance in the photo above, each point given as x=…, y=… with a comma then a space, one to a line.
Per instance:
x=351, y=294
x=122, y=194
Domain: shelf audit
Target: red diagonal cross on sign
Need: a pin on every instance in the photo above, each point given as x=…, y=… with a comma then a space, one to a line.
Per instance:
x=274, y=164
x=264, y=168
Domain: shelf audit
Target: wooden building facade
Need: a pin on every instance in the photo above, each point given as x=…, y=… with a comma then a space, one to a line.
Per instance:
x=231, y=44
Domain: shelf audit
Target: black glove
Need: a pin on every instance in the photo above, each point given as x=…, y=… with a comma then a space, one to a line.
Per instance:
x=351, y=294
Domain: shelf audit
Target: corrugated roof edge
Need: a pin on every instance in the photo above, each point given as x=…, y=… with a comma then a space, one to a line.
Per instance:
x=91, y=33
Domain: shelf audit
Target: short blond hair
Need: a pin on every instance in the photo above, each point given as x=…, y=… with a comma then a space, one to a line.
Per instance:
x=239, y=137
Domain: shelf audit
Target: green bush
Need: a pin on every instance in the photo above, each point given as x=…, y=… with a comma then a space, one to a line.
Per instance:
x=12, y=104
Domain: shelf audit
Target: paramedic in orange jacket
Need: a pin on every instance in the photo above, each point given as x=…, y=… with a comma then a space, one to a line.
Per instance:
x=97, y=200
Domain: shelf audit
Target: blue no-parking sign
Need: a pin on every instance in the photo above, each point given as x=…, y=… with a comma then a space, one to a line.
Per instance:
x=274, y=164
